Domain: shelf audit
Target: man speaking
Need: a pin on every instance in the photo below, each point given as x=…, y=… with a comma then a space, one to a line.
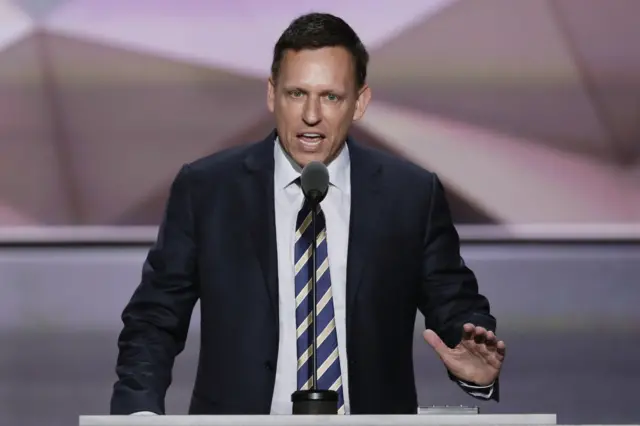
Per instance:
x=236, y=237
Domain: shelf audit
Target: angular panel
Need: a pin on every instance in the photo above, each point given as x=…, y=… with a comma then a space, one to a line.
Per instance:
x=605, y=37
x=14, y=23
x=39, y=9
x=513, y=180
x=130, y=120
x=121, y=93
x=31, y=181
x=9, y=216
x=149, y=210
x=499, y=64
x=236, y=35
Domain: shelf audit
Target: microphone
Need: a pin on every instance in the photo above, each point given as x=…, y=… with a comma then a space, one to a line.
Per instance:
x=315, y=182
x=315, y=185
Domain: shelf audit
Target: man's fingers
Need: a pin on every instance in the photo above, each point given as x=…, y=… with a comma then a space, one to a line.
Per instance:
x=501, y=349
x=482, y=342
x=480, y=335
x=468, y=331
x=490, y=351
x=471, y=332
x=491, y=341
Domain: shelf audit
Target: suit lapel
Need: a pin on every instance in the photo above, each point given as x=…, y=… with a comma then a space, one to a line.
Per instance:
x=258, y=198
x=365, y=208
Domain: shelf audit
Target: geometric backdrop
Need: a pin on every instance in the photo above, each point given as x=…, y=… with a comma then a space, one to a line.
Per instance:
x=529, y=111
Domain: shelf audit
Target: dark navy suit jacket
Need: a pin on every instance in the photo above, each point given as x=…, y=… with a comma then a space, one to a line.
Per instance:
x=217, y=244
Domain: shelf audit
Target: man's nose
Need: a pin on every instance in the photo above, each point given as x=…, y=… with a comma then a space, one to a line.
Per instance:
x=311, y=114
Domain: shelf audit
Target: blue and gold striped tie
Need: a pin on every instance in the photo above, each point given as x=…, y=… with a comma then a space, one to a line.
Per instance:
x=328, y=375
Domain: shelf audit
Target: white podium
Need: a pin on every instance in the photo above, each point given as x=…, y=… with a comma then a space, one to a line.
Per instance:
x=359, y=420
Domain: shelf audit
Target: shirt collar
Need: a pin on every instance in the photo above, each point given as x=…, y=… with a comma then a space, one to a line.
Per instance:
x=287, y=170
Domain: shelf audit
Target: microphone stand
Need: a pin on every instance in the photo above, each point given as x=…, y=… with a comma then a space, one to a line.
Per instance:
x=314, y=291
x=314, y=401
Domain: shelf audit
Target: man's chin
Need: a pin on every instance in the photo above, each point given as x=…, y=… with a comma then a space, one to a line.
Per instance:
x=304, y=158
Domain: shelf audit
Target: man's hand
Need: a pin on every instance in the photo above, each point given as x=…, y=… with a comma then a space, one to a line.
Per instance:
x=477, y=358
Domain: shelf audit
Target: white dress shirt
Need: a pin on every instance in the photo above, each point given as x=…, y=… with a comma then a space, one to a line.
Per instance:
x=336, y=207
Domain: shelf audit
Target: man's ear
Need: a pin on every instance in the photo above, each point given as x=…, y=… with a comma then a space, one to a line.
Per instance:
x=364, y=96
x=271, y=94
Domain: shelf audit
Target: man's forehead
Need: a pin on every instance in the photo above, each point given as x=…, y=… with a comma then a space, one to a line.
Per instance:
x=319, y=72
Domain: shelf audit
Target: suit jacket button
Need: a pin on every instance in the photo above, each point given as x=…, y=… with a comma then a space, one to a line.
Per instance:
x=268, y=365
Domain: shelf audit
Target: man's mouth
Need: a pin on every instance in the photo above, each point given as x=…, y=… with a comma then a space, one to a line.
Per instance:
x=310, y=140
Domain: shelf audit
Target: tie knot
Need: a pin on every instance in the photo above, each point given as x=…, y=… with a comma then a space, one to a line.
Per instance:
x=305, y=216
x=306, y=206
x=306, y=209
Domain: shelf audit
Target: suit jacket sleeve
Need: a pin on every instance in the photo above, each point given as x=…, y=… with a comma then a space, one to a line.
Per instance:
x=449, y=294
x=156, y=319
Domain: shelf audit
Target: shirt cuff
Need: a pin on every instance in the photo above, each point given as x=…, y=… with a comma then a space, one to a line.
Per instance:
x=484, y=392
x=143, y=413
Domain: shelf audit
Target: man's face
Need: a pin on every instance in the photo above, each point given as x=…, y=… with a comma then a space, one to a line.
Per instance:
x=315, y=100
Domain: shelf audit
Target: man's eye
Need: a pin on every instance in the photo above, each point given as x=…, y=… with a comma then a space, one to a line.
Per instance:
x=296, y=93
x=332, y=97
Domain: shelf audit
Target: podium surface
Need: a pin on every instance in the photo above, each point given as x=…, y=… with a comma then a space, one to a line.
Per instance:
x=333, y=420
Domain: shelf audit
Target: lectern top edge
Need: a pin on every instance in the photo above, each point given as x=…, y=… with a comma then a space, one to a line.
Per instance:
x=322, y=420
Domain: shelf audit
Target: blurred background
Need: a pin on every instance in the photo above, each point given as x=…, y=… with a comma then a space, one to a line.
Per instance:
x=528, y=110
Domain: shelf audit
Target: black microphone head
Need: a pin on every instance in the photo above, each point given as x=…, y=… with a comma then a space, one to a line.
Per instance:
x=315, y=181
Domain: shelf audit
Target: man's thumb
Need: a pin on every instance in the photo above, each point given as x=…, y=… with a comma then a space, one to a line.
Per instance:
x=435, y=341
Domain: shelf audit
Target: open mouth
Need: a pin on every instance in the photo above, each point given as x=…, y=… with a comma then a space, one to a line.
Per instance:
x=310, y=141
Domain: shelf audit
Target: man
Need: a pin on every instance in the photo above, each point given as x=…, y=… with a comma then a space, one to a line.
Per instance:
x=235, y=236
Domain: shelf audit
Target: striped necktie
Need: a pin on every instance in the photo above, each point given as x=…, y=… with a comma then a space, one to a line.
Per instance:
x=328, y=373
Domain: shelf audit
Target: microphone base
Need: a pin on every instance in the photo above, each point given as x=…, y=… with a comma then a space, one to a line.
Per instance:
x=318, y=402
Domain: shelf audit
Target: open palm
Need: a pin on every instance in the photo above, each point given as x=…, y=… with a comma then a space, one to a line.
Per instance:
x=477, y=358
